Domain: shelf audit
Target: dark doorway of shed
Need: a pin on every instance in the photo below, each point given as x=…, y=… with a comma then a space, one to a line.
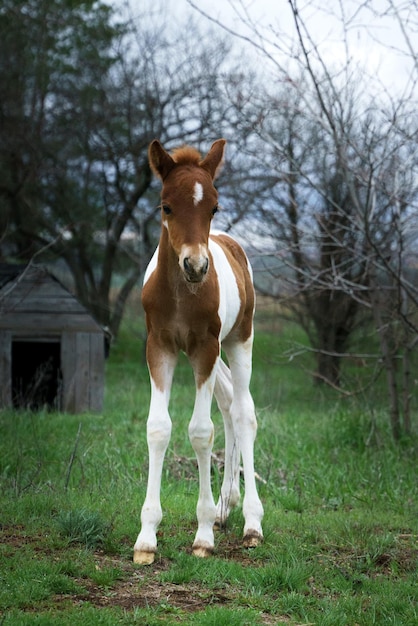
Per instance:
x=36, y=374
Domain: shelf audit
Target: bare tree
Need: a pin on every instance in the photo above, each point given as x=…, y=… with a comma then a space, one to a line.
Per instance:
x=92, y=95
x=383, y=208
x=341, y=155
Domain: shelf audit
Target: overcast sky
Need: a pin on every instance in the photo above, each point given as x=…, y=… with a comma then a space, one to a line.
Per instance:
x=375, y=40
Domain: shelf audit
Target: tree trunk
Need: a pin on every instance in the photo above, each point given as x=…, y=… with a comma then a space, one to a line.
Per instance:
x=406, y=391
x=333, y=315
x=122, y=297
x=384, y=331
x=332, y=344
x=328, y=369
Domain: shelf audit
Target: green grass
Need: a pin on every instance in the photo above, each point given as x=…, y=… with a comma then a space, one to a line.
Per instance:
x=84, y=527
x=340, y=504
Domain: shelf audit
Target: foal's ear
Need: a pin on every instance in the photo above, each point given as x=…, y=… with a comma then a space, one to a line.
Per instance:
x=214, y=158
x=160, y=161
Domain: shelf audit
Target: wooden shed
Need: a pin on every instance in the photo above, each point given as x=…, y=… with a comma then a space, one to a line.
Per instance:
x=51, y=348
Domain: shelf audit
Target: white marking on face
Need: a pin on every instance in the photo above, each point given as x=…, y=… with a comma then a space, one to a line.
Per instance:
x=197, y=193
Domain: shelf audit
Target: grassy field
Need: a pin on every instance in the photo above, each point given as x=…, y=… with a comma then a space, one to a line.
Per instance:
x=340, y=498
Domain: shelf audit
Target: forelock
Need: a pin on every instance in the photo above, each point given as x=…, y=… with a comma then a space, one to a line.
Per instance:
x=186, y=155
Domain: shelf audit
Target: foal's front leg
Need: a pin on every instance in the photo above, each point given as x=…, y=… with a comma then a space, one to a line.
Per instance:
x=201, y=433
x=158, y=437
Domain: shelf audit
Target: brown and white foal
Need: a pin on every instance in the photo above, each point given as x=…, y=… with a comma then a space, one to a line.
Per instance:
x=197, y=294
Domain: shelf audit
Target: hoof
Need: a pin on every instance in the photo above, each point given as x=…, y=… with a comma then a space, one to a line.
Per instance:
x=252, y=539
x=219, y=525
x=143, y=558
x=202, y=552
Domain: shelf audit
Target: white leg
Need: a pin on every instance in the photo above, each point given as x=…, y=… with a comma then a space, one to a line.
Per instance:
x=243, y=415
x=201, y=434
x=230, y=492
x=158, y=437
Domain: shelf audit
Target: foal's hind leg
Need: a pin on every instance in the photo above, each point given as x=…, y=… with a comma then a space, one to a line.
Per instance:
x=230, y=493
x=245, y=425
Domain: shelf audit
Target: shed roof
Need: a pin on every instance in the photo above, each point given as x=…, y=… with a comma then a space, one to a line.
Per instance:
x=9, y=272
x=33, y=300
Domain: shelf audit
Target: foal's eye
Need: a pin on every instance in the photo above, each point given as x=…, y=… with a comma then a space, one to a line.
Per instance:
x=166, y=209
x=215, y=210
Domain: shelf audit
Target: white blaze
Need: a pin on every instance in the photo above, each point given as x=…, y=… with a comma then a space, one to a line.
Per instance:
x=197, y=193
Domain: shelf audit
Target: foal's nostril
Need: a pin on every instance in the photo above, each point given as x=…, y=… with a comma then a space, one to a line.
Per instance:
x=195, y=270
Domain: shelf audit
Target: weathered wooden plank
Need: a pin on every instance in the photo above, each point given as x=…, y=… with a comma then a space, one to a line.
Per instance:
x=75, y=351
x=82, y=374
x=96, y=372
x=36, y=303
x=42, y=294
x=46, y=287
x=5, y=369
x=23, y=287
x=82, y=365
x=68, y=368
x=35, y=337
x=49, y=321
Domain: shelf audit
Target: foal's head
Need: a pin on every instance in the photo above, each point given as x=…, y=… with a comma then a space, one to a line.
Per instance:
x=189, y=201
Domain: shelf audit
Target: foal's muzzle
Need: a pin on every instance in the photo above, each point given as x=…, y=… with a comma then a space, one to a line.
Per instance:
x=194, y=263
x=195, y=272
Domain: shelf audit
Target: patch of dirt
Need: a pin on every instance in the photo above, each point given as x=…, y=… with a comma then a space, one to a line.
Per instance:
x=137, y=587
x=140, y=587
x=130, y=594
x=17, y=536
x=401, y=555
